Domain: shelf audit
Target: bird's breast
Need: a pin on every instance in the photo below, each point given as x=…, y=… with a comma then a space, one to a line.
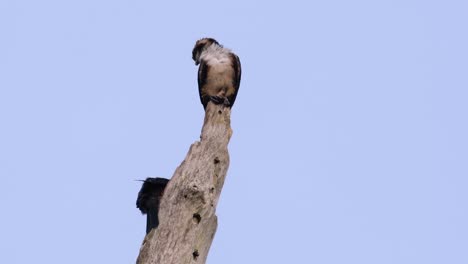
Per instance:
x=219, y=80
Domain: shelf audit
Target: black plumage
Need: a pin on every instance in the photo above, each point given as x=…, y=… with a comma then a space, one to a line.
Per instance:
x=149, y=198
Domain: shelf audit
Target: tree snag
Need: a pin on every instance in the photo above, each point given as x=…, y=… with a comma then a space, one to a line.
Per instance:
x=187, y=212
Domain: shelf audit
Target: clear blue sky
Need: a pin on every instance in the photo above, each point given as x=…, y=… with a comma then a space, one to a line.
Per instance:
x=350, y=136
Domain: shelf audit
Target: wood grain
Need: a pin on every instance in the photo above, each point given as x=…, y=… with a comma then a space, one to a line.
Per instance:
x=187, y=211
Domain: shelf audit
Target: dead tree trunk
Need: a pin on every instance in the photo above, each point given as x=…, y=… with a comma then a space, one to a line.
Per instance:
x=187, y=213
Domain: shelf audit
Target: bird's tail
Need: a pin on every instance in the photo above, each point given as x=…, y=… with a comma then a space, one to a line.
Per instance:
x=152, y=220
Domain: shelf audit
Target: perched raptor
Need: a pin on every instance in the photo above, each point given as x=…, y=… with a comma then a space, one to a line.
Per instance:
x=149, y=198
x=219, y=74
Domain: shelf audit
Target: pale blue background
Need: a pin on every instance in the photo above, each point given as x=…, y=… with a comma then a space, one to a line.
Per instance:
x=350, y=129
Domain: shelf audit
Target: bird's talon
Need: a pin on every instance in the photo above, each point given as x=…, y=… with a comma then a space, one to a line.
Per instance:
x=217, y=99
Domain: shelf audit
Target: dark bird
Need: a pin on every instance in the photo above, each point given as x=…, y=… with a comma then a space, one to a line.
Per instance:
x=219, y=74
x=149, y=198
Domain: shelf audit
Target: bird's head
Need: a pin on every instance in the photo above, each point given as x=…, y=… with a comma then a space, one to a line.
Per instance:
x=200, y=46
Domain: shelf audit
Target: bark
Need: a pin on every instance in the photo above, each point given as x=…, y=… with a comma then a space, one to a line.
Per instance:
x=187, y=213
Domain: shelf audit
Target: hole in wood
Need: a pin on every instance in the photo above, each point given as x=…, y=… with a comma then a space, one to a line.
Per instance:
x=195, y=254
x=220, y=112
x=212, y=190
x=216, y=160
x=196, y=217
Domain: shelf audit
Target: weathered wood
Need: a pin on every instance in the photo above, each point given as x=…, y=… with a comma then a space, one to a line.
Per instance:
x=187, y=212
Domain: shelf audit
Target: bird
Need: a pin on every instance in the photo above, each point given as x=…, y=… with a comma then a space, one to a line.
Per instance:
x=149, y=198
x=219, y=73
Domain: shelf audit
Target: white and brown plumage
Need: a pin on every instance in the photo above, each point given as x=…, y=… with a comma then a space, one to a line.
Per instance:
x=219, y=73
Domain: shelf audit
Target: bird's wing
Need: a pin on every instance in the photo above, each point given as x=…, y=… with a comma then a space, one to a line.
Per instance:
x=202, y=75
x=236, y=65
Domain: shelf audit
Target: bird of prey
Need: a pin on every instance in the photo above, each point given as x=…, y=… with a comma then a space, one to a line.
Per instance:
x=149, y=198
x=219, y=74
